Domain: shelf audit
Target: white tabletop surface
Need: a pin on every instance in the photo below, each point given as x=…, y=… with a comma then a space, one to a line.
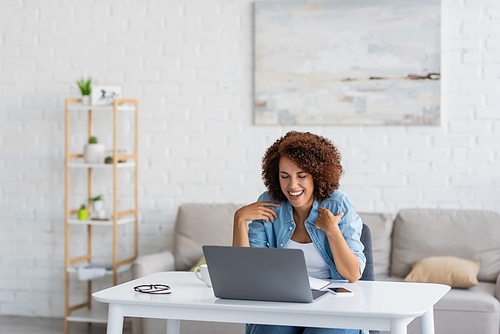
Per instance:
x=372, y=299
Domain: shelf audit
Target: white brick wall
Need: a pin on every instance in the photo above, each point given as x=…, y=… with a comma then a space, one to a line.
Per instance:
x=190, y=65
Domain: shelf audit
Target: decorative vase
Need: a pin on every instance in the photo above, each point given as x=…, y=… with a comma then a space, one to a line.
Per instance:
x=86, y=100
x=98, y=205
x=94, y=153
x=98, y=209
x=101, y=214
x=83, y=214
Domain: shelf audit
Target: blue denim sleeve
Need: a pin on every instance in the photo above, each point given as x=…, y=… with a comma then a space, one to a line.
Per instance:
x=351, y=225
x=256, y=231
x=256, y=234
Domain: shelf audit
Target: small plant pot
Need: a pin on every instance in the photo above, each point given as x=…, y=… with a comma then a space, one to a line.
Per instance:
x=94, y=153
x=101, y=214
x=86, y=100
x=83, y=214
x=98, y=205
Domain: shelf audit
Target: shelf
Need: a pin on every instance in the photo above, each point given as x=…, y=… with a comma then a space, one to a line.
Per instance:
x=81, y=164
x=129, y=109
x=121, y=221
x=121, y=107
x=98, y=314
x=121, y=269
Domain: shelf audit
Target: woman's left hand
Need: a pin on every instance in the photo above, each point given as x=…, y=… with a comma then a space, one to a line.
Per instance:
x=346, y=261
x=326, y=221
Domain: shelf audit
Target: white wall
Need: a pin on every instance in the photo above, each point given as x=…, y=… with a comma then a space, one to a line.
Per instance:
x=190, y=65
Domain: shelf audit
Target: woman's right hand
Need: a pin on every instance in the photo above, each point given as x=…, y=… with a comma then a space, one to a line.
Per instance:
x=257, y=210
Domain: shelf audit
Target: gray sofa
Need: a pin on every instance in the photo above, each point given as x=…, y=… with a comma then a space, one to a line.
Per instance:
x=413, y=235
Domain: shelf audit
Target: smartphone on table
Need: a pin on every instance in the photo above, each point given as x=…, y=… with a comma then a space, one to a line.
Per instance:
x=340, y=291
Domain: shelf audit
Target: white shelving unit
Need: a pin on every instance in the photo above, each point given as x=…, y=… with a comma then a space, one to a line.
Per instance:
x=123, y=106
x=98, y=313
x=82, y=164
x=87, y=311
x=121, y=269
x=120, y=221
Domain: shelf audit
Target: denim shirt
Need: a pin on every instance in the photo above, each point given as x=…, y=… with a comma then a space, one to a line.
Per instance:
x=277, y=234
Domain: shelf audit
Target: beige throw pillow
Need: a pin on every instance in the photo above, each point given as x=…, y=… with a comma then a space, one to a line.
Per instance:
x=449, y=270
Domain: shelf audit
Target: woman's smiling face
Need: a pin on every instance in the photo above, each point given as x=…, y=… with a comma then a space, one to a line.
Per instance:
x=296, y=184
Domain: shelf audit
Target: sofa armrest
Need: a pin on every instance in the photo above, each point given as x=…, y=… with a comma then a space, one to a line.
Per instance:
x=153, y=263
x=497, y=287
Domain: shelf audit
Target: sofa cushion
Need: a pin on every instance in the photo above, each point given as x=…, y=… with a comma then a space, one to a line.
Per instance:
x=467, y=234
x=449, y=270
x=201, y=224
x=479, y=298
x=476, y=299
x=380, y=225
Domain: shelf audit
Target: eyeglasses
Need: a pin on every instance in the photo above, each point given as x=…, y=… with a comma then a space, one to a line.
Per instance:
x=155, y=289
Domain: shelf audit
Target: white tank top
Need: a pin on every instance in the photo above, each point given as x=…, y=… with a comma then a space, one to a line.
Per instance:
x=316, y=266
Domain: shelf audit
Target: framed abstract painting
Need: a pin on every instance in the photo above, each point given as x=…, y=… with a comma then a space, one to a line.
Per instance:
x=356, y=62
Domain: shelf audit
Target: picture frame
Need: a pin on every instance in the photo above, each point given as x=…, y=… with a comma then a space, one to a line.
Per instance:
x=105, y=94
x=354, y=71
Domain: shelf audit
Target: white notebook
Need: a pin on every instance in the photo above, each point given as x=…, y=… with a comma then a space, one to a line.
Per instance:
x=318, y=284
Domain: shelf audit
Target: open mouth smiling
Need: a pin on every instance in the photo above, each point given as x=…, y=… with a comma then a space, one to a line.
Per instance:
x=296, y=193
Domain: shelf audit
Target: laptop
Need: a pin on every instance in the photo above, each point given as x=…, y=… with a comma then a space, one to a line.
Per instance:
x=264, y=274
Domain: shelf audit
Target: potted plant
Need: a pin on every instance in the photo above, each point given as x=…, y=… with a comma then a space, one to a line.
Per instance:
x=85, y=88
x=97, y=203
x=93, y=151
x=83, y=213
x=98, y=206
x=110, y=153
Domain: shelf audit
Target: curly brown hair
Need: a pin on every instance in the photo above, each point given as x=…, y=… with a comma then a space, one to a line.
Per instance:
x=314, y=154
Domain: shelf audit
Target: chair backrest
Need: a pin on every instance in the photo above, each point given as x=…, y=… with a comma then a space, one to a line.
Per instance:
x=368, y=273
x=366, y=239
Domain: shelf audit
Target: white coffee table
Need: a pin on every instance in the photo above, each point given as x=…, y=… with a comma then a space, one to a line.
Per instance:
x=388, y=306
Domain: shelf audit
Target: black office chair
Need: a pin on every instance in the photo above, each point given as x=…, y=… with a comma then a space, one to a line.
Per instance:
x=368, y=273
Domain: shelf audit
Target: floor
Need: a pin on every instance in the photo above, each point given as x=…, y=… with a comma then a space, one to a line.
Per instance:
x=25, y=325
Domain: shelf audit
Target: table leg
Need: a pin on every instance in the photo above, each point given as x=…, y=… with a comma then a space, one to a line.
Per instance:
x=427, y=322
x=115, y=319
x=398, y=326
x=173, y=326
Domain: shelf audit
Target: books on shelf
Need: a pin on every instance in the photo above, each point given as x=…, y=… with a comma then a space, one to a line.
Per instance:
x=89, y=271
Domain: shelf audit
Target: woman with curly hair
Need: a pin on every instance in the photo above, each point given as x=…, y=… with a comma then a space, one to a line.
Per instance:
x=302, y=208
